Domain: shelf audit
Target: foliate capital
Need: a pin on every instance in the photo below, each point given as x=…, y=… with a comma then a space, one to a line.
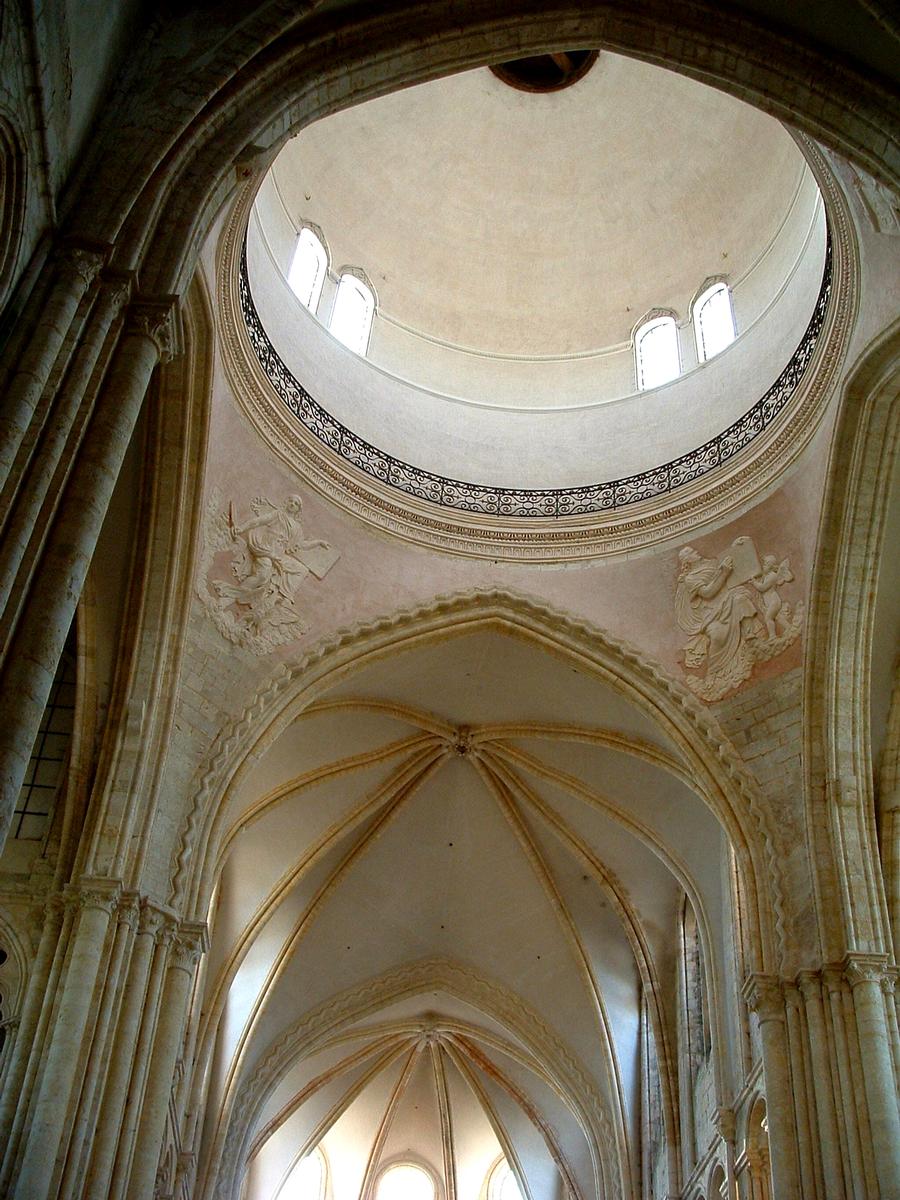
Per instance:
x=764, y=996
x=81, y=264
x=100, y=894
x=864, y=968
x=160, y=321
x=190, y=943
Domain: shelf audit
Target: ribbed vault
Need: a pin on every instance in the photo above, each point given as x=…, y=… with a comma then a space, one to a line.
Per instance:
x=479, y=800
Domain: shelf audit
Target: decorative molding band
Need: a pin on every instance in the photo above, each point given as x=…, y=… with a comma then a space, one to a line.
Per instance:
x=524, y=503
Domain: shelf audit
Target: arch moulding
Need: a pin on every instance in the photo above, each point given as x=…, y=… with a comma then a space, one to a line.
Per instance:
x=720, y=775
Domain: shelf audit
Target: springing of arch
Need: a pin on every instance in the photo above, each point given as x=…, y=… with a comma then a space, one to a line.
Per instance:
x=308, y=268
x=656, y=355
x=713, y=318
x=354, y=309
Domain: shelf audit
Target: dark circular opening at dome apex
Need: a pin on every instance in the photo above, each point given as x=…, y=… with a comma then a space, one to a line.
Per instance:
x=546, y=72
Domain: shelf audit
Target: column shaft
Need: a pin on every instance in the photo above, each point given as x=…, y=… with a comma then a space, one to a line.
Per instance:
x=74, y=275
x=826, y=1125
x=765, y=997
x=40, y=474
x=167, y=1045
x=46, y=1141
x=56, y=588
x=109, y=1121
x=878, y=1073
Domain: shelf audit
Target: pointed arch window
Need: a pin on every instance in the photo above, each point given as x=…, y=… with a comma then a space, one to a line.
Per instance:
x=308, y=267
x=656, y=351
x=354, y=308
x=713, y=321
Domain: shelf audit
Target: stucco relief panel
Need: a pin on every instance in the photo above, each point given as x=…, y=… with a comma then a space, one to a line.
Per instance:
x=734, y=609
x=256, y=567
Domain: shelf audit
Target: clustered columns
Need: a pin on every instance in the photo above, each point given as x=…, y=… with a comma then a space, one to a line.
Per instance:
x=103, y=1025
x=82, y=376
x=833, y=1118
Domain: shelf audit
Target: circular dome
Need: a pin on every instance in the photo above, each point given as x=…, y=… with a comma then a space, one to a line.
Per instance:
x=512, y=251
x=509, y=224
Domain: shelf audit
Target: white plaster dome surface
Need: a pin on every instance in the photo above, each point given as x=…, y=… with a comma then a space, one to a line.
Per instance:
x=513, y=241
x=522, y=224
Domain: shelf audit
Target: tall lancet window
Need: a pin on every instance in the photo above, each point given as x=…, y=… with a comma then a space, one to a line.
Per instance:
x=351, y=318
x=713, y=321
x=308, y=267
x=656, y=352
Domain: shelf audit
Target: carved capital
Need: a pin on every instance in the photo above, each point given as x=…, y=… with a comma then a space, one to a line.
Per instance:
x=158, y=320
x=100, y=894
x=81, y=264
x=864, y=968
x=117, y=289
x=190, y=943
x=726, y=1124
x=764, y=996
x=129, y=910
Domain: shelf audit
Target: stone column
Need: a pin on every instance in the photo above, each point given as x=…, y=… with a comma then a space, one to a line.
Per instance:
x=826, y=1125
x=27, y=676
x=727, y=1127
x=796, y=1046
x=864, y=974
x=112, y=1107
x=148, y=1017
x=764, y=997
x=39, y=476
x=45, y=1143
x=847, y=1103
x=76, y=271
x=84, y=1130
x=189, y=944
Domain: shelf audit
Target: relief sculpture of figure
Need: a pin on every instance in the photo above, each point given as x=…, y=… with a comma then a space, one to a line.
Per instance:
x=734, y=614
x=270, y=560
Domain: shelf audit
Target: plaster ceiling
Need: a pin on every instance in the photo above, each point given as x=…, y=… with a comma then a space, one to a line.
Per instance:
x=515, y=223
x=472, y=810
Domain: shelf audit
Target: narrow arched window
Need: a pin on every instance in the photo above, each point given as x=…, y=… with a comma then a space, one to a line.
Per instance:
x=713, y=321
x=502, y=1183
x=656, y=352
x=405, y=1181
x=308, y=267
x=308, y=1179
x=351, y=317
